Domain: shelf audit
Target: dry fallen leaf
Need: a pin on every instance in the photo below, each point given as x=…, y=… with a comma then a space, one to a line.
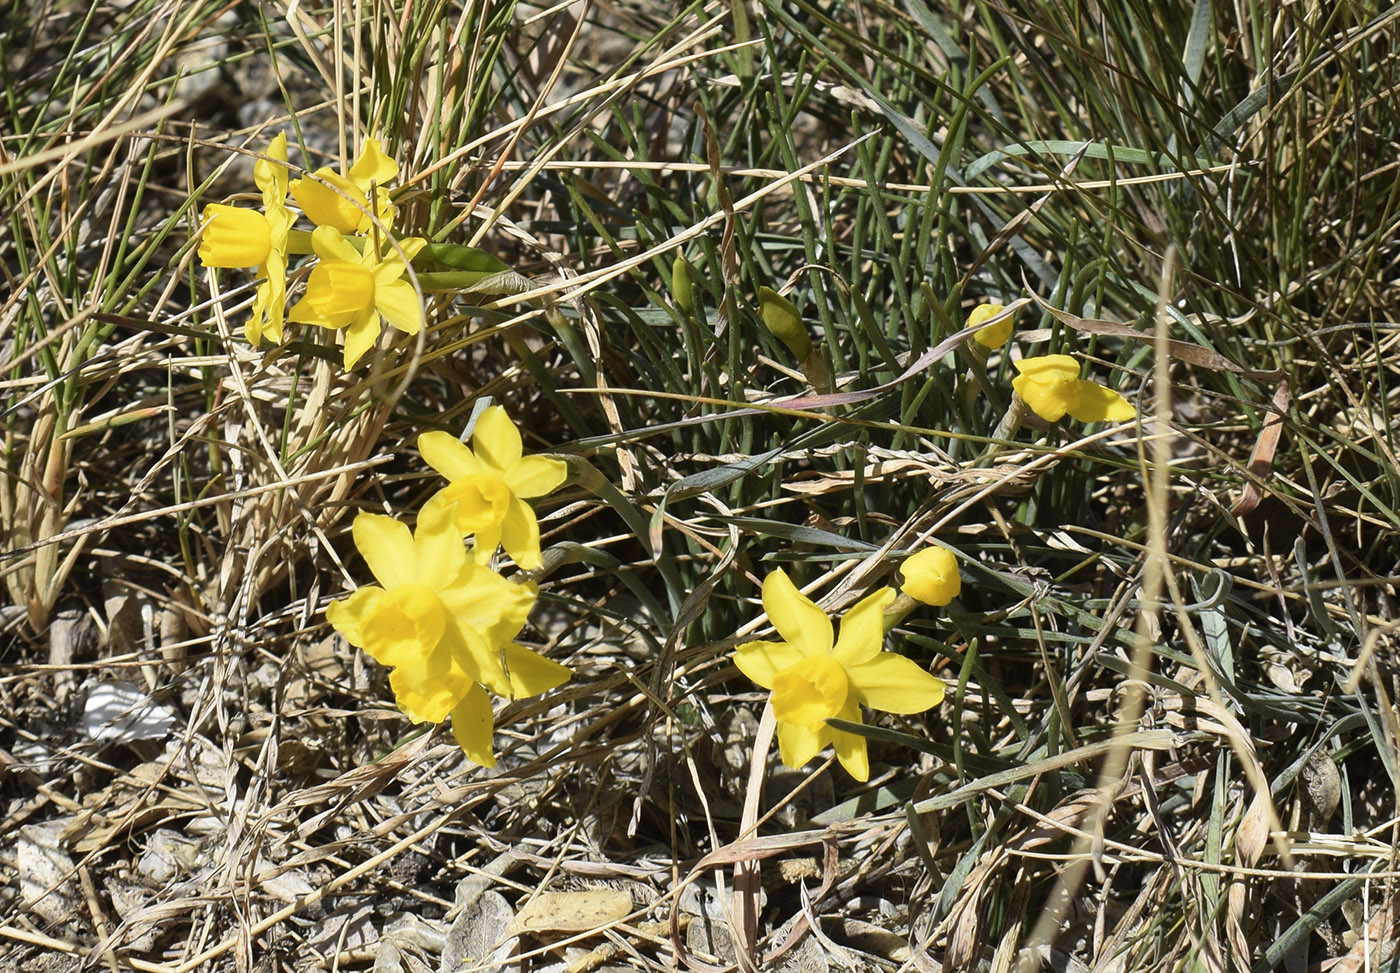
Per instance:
x=571, y=911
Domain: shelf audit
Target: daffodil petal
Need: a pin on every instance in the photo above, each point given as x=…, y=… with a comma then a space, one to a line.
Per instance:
x=1050, y=406
x=995, y=335
x=347, y=614
x=851, y=747
x=384, y=211
x=303, y=313
x=1100, y=404
x=392, y=267
x=482, y=501
x=814, y=690
x=486, y=658
x=799, y=744
x=373, y=166
x=388, y=270
x=441, y=555
x=252, y=328
x=448, y=455
x=531, y=673
x=517, y=599
x=520, y=535
x=322, y=197
x=472, y=726
x=487, y=540
x=798, y=621
x=330, y=244
x=269, y=305
x=405, y=629
x=863, y=629
x=360, y=337
x=281, y=220
x=471, y=654
x=1051, y=368
x=387, y=547
x=489, y=605
x=536, y=476
x=442, y=504
x=894, y=684
x=399, y=304
x=340, y=291
x=462, y=650
x=1049, y=384
x=270, y=177
x=851, y=751
x=439, y=513
x=762, y=661
x=495, y=440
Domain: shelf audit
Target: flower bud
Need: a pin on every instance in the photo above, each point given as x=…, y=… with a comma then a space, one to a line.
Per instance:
x=993, y=336
x=782, y=319
x=682, y=287
x=932, y=576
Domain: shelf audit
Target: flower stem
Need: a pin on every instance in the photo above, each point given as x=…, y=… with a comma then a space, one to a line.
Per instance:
x=471, y=282
x=299, y=241
x=901, y=606
x=1011, y=422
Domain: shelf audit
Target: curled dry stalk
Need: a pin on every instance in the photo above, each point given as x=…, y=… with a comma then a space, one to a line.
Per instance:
x=33, y=510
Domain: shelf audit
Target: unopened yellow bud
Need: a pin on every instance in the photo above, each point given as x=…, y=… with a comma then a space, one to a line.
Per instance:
x=932, y=576
x=993, y=336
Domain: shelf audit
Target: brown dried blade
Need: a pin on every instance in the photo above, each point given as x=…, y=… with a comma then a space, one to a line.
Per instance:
x=1261, y=457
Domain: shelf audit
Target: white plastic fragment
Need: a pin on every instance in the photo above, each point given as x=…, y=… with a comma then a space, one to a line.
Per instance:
x=120, y=713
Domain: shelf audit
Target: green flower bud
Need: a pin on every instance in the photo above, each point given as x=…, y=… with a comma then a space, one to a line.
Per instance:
x=784, y=322
x=682, y=288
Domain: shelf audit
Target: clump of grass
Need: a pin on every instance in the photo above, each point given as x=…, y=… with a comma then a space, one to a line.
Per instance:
x=1169, y=737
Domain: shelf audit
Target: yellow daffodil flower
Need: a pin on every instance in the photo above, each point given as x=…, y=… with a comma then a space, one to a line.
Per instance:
x=814, y=680
x=353, y=289
x=1051, y=386
x=443, y=624
x=489, y=483
x=239, y=237
x=994, y=335
x=931, y=576
x=330, y=199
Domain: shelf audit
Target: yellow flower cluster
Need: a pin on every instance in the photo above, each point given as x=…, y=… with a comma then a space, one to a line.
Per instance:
x=1050, y=384
x=358, y=282
x=440, y=617
x=815, y=677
